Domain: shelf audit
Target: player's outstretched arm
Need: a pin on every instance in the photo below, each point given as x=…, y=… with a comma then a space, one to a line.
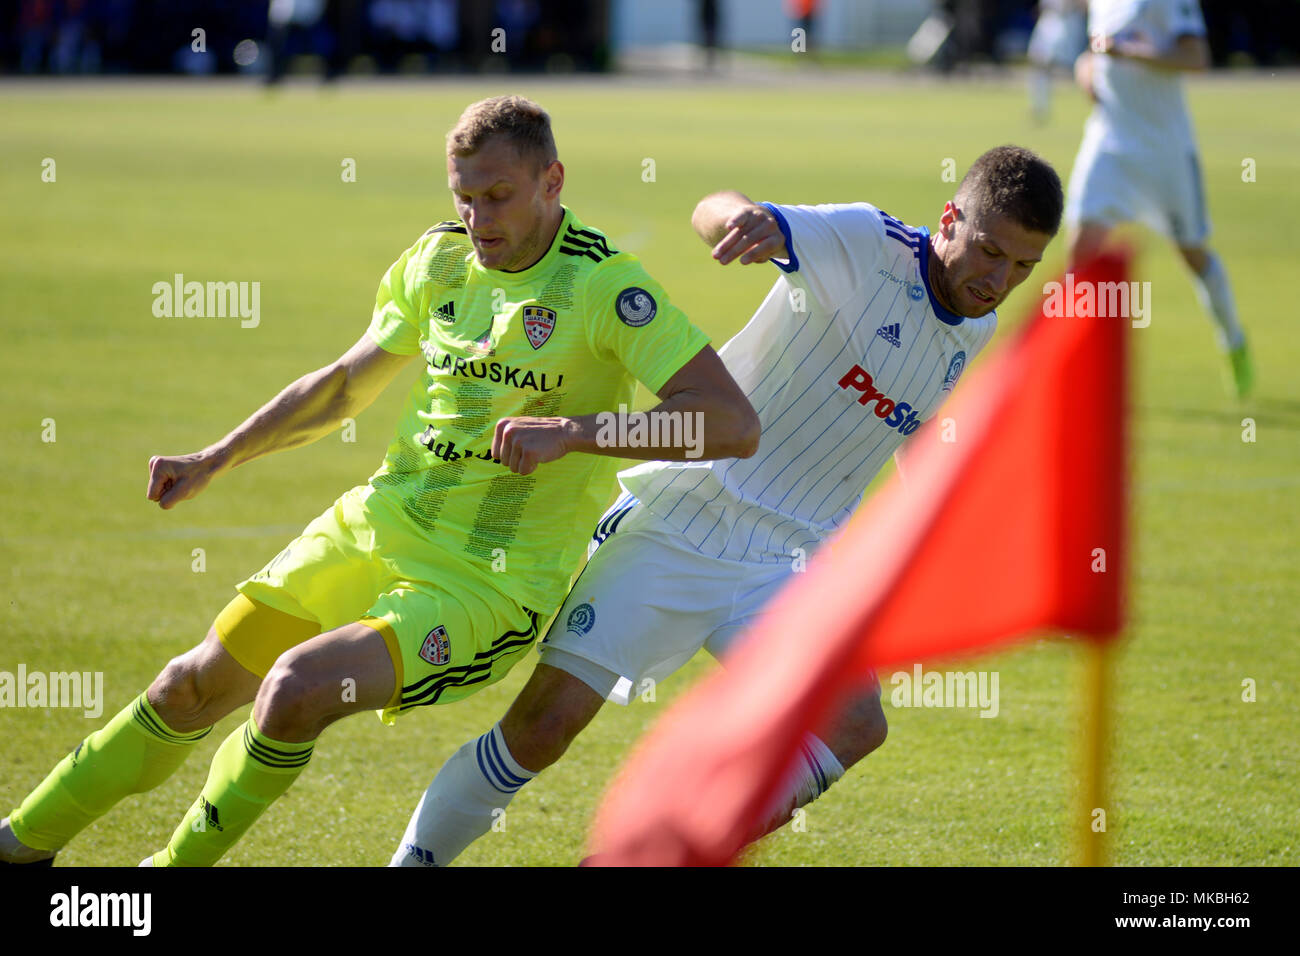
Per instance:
x=701, y=391
x=311, y=407
x=737, y=227
x=1190, y=54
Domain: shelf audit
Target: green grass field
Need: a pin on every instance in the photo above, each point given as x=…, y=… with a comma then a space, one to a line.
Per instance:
x=224, y=182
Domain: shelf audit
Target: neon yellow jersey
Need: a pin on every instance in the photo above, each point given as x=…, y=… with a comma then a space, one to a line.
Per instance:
x=568, y=336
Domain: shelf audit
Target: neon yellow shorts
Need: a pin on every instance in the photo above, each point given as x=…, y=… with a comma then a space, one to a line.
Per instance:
x=449, y=631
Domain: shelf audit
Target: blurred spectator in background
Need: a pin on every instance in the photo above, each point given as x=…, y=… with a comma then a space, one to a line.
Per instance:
x=157, y=36
x=1060, y=35
x=292, y=26
x=403, y=29
x=804, y=13
x=709, y=31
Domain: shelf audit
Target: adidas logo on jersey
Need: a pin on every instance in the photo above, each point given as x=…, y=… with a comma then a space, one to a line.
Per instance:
x=890, y=334
x=446, y=313
x=898, y=415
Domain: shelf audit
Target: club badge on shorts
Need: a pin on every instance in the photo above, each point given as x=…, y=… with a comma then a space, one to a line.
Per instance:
x=539, y=323
x=436, y=649
x=581, y=619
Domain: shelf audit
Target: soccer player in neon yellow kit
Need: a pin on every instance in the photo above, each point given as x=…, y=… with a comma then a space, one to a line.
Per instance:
x=529, y=325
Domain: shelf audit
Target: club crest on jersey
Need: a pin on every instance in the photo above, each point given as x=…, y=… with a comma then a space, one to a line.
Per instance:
x=581, y=619
x=917, y=292
x=635, y=307
x=437, y=648
x=954, y=370
x=539, y=323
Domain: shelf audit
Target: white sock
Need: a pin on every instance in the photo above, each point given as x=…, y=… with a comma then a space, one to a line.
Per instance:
x=1216, y=298
x=1040, y=92
x=810, y=777
x=467, y=796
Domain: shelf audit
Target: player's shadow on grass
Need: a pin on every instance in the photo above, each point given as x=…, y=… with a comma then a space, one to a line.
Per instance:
x=1270, y=412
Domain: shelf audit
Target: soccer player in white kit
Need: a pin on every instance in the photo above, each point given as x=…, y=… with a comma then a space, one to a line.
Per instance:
x=1138, y=160
x=1060, y=34
x=865, y=332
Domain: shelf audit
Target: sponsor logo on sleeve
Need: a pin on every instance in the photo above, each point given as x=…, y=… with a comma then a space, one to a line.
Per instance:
x=635, y=307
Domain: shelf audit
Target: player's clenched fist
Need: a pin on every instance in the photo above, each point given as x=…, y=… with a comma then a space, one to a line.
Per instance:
x=752, y=235
x=173, y=480
x=521, y=444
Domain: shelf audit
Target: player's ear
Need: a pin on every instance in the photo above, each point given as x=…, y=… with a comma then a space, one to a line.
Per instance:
x=553, y=178
x=948, y=221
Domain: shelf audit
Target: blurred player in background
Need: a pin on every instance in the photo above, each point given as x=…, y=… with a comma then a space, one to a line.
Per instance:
x=1060, y=35
x=428, y=582
x=862, y=337
x=1138, y=160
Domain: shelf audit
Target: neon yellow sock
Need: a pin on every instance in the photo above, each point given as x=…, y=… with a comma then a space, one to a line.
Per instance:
x=132, y=753
x=248, y=773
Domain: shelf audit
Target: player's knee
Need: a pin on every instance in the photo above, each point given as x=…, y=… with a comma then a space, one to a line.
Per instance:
x=877, y=729
x=862, y=731
x=291, y=699
x=178, y=696
x=1086, y=241
x=1197, y=258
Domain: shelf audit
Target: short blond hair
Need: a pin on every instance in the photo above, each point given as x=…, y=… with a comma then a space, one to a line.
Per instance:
x=525, y=124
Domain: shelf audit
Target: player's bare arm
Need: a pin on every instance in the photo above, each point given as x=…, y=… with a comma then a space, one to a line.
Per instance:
x=738, y=228
x=310, y=408
x=703, y=385
x=1190, y=54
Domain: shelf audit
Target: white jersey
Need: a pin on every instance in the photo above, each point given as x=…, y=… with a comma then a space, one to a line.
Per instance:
x=847, y=355
x=1140, y=108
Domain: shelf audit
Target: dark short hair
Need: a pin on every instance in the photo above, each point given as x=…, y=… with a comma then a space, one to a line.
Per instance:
x=523, y=122
x=1017, y=183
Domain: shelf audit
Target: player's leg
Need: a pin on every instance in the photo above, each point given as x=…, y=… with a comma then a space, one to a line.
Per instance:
x=606, y=639
x=1187, y=221
x=1086, y=239
x=1215, y=293
x=149, y=739
x=859, y=729
x=1105, y=190
x=480, y=779
x=324, y=679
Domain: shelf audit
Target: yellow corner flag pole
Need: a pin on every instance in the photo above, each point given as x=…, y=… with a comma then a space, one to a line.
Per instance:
x=1092, y=813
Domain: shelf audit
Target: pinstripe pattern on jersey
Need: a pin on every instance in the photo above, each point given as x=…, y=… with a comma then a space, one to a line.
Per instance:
x=819, y=448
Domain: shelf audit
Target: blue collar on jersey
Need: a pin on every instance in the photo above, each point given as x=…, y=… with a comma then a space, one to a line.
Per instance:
x=949, y=318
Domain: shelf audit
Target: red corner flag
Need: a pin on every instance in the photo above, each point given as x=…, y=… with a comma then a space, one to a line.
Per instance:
x=1012, y=521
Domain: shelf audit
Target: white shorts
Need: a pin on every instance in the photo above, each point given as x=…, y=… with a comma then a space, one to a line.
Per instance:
x=647, y=601
x=1164, y=194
